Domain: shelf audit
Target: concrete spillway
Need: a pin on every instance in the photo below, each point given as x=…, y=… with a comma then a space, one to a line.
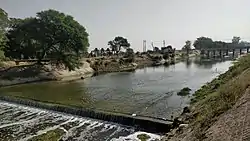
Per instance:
x=139, y=122
x=22, y=123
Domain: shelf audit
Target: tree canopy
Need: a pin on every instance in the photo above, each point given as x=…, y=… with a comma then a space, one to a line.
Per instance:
x=236, y=40
x=49, y=35
x=203, y=42
x=187, y=46
x=4, y=21
x=117, y=43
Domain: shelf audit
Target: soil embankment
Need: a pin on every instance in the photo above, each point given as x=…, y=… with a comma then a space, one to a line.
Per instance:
x=33, y=73
x=220, y=109
x=111, y=64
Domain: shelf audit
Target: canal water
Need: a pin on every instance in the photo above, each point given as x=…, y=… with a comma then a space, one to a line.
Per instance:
x=20, y=123
x=150, y=91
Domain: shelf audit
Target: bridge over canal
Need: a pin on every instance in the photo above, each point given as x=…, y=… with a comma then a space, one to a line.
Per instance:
x=224, y=51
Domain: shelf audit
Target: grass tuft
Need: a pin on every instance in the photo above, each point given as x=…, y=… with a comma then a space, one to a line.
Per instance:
x=143, y=137
x=54, y=135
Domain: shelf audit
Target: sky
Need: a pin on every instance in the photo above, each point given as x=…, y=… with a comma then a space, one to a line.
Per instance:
x=174, y=21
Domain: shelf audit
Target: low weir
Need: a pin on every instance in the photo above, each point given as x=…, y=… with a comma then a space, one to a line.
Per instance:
x=148, y=124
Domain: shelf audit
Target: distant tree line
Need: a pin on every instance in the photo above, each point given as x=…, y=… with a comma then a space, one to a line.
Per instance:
x=205, y=42
x=114, y=48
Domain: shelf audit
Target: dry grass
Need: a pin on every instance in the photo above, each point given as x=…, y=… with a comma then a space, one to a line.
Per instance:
x=218, y=96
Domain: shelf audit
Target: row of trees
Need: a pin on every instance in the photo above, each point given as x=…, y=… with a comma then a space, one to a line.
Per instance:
x=115, y=47
x=49, y=35
x=205, y=42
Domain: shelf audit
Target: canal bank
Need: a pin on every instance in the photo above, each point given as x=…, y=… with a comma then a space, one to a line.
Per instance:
x=29, y=72
x=219, y=109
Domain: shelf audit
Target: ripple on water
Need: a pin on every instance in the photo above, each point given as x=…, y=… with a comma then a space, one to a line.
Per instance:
x=21, y=123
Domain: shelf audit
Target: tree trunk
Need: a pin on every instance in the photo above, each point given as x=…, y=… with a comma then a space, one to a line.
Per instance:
x=41, y=57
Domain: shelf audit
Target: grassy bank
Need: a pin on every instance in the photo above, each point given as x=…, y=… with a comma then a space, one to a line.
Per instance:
x=54, y=135
x=218, y=96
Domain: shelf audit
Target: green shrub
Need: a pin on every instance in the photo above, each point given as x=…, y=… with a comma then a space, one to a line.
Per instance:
x=143, y=137
x=2, y=57
x=185, y=91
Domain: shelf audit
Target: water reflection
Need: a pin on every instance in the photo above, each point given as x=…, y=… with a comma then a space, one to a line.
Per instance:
x=149, y=91
x=188, y=62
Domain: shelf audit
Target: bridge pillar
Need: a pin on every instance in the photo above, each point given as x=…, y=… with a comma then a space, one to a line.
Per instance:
x=220, y=53
x=233, y=52
x=247, y=50
x=227, y=52
x=208, y=53
x=214, y=53
x=240, y=51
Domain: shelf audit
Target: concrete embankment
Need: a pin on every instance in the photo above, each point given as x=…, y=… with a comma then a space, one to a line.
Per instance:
x=139, y=122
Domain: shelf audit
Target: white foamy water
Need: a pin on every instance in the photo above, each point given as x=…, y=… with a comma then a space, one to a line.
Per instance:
x=21, y=123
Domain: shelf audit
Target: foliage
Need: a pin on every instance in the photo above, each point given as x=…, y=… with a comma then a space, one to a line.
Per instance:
x=219, y=44
x=96, y=51
x=143, y=137
x=4, y=22
x=166, y=56
x=187, y=47
x=117, y=43
x=102, y=51
x=236, y=40
x=203, y=42
x=1, y=55
x=156, y=49
x=130, y=55
x=53, y=135
x=183, y=92
x=50, y=35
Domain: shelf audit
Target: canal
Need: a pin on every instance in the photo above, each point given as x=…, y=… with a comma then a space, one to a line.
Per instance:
x=150, y=91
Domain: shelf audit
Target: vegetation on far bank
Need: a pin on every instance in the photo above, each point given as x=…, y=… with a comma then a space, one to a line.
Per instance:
x=216, y=97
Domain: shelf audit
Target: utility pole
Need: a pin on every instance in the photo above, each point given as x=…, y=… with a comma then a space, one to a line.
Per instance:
x=152, y=44
x=144, y=46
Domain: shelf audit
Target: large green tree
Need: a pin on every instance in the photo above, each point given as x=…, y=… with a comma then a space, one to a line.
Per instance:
x=50, y=35
x=203, y=42
x=118, y=43
x=4, y=21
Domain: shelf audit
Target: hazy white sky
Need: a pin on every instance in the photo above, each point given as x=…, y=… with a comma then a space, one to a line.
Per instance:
x=153, y=20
